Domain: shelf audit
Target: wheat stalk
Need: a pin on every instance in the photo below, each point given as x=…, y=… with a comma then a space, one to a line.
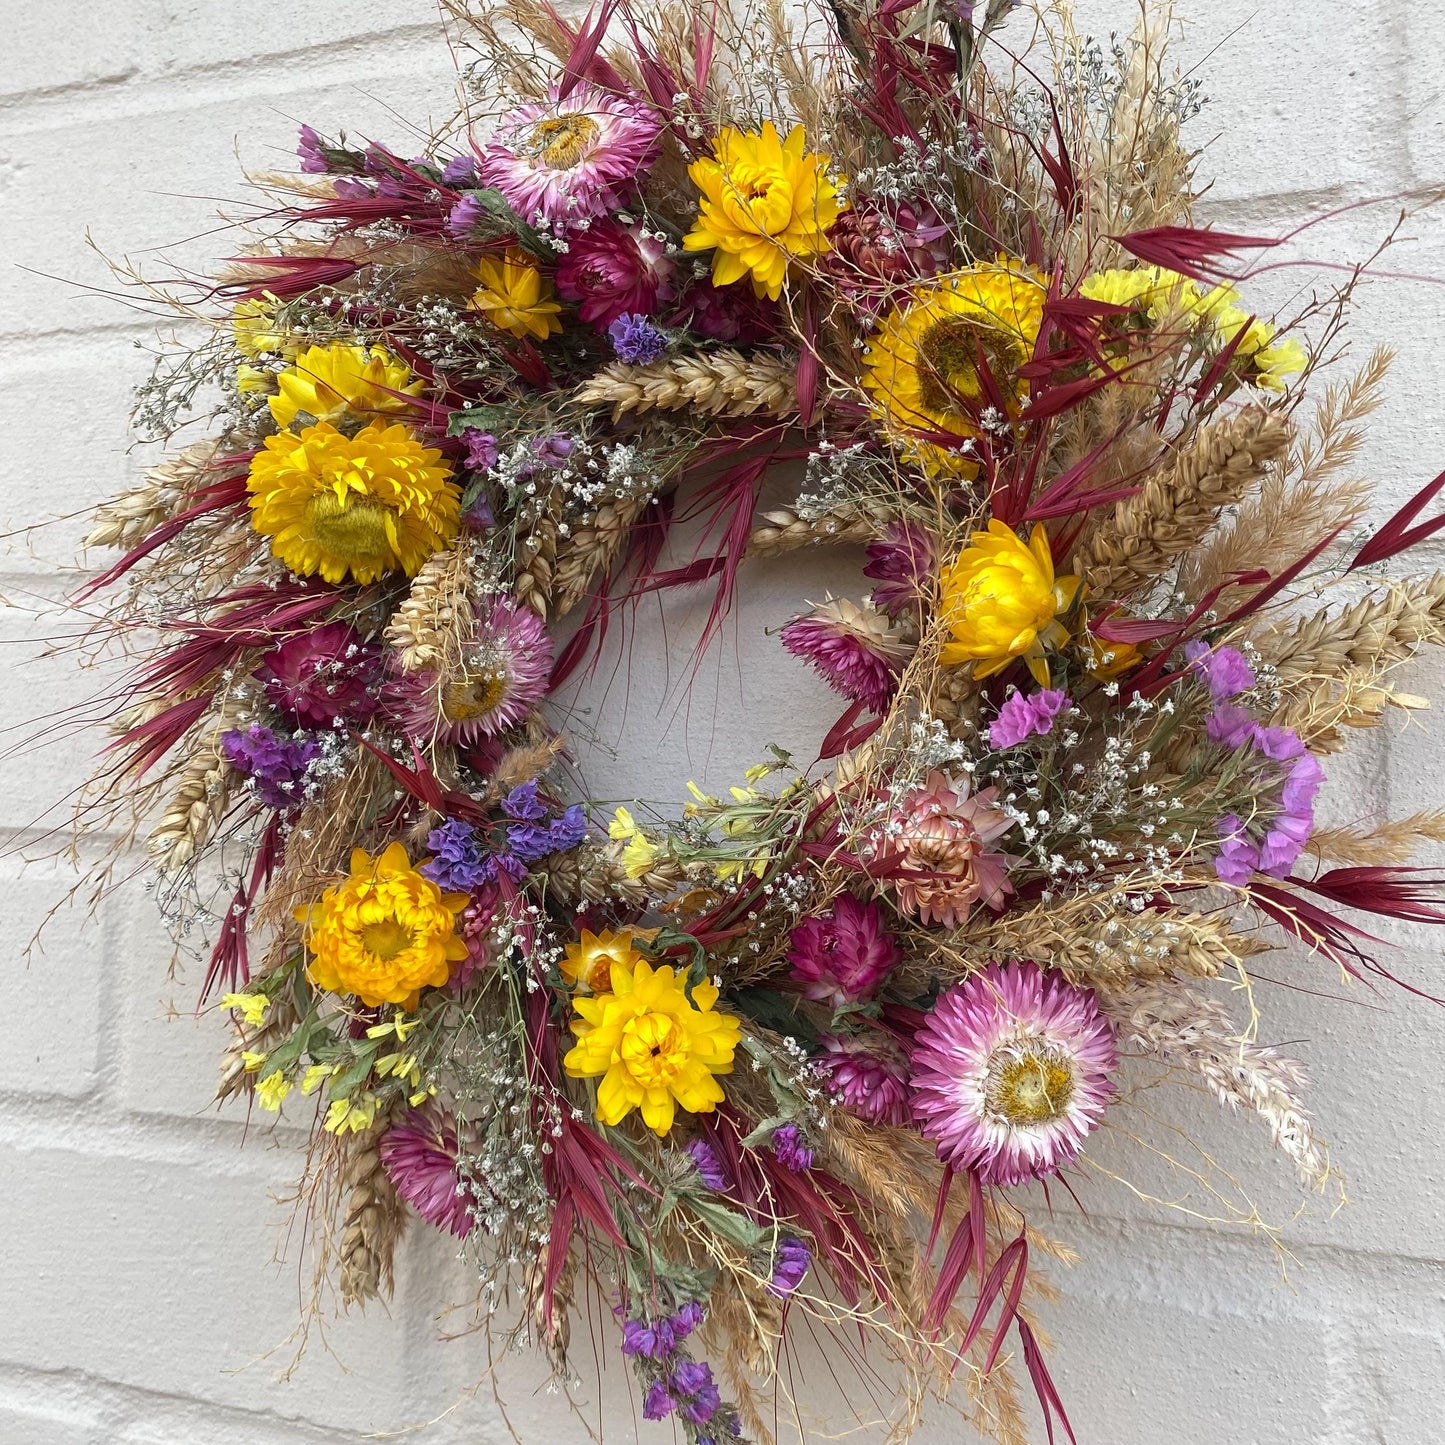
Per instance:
x=716, y=383
x=1375, y=633
x=853, y=523
x=207, y=785
x=590, y=550
x=437, y=613
x=1192, y=1032
x=373, y=1221
x=127, y=520
x=1180, y=501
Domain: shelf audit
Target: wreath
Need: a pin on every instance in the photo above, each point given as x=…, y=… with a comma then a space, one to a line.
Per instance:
x=831, y=1046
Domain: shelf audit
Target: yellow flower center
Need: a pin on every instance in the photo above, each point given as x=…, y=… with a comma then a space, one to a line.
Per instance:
x=759, y=197
x=357, y=530
x=472, y=696
x=654, y=1049
x=948, y=355
x=1031, y=1083
x=386, y=938
x=562, y=142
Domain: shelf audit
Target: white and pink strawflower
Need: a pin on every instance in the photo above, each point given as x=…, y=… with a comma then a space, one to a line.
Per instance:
x=566, y=159
x=502, y=677
x=859, y=651
x=1011, y=1072
x=940, y=842
x=419, y=1155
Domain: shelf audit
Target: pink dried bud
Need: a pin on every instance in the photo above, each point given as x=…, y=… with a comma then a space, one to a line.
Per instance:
x=858, y=650
x=867, y=1074
x=844, y=955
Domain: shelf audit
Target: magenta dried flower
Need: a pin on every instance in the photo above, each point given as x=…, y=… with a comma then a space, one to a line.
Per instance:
x=1011, y=1072
x=903, y=561
x=867, y=1074
x=323, y=677
x=859, y=651
x=843, y=955
x=611, y=270
x=420, y=1158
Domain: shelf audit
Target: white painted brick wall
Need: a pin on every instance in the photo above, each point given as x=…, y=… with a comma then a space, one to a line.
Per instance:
x=139, y=1304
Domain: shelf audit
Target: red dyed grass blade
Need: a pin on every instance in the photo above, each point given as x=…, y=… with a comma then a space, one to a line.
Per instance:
x=1191, y=251
x=1397, y=535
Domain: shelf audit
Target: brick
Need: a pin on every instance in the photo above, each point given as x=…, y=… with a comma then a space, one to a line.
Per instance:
x=52, y=1000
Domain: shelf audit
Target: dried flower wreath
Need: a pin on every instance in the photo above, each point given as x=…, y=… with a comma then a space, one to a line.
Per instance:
x=798, y=1050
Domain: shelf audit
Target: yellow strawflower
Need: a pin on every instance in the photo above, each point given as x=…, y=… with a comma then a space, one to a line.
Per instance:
x=764, y=202
x=327, y=382
x=514, y=296
x=253, y=326
x=922, y=364
x=1001, y=600
x=362, y=506
x=588, y=962
x=385, y=933
x=652, y=1049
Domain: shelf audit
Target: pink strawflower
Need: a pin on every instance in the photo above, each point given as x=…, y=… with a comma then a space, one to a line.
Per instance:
x=903, y=561
x=612, y=270
x=722, y=314
x=322, y=677
x=942, y=839
x=1011, y=1072
x=420, y=1158
x=867, y=1074
x=567, y=159
x=843, y=955
x=858, y=650
x=502, y=677
x=1023, y=717
x=878, y=248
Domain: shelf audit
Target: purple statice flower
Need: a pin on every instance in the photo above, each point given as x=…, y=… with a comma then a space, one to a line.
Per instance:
x=568, y=830
x=1028, y=716
x=1224, y=669
x=844, y=955
x=459, y=862
x=276, y=765
x=1230, y=726
x=463, y=216
x=902, y=561
x=523, y=804
x=709, y=1166
x=554, y=450
x=659, y=1404
x=1238, y=857
x=636, y=340
x=1290, y=828
x=697, y=1396
x=653, y=1342
x=482, y=449
x=687, y=1319
x=790, y=1150
x=460, y=171
x=790, y=1264
x=350, y=190
x=312, y=151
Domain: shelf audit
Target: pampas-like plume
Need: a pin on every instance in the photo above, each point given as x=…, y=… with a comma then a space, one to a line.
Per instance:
x=1196, y=1034
x=206, y=788
x=1181, y=500
x=131, y=517
x=373, y=1221
x=716, y=383
x=436, y=615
